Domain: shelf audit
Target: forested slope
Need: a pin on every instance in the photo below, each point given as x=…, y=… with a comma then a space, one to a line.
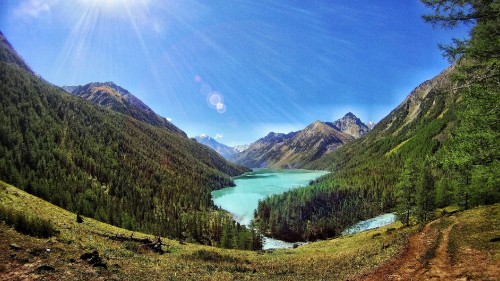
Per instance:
x=438, y=147
x=105, y=164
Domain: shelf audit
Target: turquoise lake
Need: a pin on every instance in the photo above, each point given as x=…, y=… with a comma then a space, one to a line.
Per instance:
x=242, y=199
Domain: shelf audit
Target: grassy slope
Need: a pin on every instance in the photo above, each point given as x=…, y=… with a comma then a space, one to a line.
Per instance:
x=336, y=259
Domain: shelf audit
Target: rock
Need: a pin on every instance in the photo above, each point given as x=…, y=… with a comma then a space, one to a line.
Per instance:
x=15, y=247
x=296, y=245
x=100, y=264
x=44, y=268
x=88, y=256
x=94, y=259
x=156, y=245
x=79, y=219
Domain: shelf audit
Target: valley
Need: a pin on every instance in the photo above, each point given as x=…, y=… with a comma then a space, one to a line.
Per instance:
x=353, y=257
x=95, y=184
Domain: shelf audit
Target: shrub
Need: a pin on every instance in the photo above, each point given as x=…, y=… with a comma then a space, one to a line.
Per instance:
x=212, y=256
x=133, y=247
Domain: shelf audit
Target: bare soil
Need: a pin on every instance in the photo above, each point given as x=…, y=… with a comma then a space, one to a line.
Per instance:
x=426, y=257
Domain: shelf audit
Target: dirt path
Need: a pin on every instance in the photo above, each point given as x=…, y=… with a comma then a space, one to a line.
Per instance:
x=424, y=258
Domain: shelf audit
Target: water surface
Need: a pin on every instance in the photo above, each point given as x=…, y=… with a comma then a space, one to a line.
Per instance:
x=242, y=200
x=372, y=223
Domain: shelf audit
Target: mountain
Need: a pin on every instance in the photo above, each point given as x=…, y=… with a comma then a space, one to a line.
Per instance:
x=222, y=149
x=366, y=171
x=297, y=149
x=351, y=125
x=241, y=147
x=105, y=164
x=116, y=98
x=370, y=125
x=6, y=55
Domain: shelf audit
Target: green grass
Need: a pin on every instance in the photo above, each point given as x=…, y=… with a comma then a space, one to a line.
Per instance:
x=336, y=259
x=27, y=224
x=396, y=148
x=476, y=230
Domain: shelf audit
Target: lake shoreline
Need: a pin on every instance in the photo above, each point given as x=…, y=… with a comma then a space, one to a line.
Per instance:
x=242, y=199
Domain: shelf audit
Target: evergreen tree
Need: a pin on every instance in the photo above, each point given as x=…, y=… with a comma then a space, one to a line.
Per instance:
x=474, y=150
x=405, y=194
x=425, y=193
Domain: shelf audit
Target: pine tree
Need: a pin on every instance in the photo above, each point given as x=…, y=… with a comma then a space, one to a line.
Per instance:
x=405, y=193
x=474, y=150
x=425, y=193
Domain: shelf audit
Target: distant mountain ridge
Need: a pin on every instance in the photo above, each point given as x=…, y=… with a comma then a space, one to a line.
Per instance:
x=241, y=147
x=224, y=150
x=296, y=149
x=112, y=96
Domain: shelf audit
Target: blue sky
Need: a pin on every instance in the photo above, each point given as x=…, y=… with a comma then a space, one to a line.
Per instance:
x=235, y=69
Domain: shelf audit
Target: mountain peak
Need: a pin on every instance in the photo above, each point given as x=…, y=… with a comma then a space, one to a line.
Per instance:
x=224, y=150
x=350, y=115
x=317, y=125
x=116, y=98
x=351, y=125
x=295, y=149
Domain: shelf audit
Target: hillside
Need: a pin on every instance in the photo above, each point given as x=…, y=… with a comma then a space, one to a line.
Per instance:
x=6, y=55
x=298, y=149
x=436, y=148
x=224, y=150
x=366, y=170
x=116, y=98
x=426, y=107
x=104, y=164
x=354, y=257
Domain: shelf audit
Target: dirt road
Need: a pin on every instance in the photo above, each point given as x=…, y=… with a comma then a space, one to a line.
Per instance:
x=426, y=257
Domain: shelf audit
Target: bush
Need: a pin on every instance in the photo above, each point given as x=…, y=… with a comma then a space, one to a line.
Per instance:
x=30, y=225
x=212, y=256
x=133, y=247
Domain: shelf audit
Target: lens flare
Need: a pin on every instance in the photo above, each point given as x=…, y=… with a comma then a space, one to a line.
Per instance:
x=215, y=98
x=221, y=108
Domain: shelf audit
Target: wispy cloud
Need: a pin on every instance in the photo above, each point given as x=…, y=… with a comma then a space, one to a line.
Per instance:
x=218, y=135
x=34, y=8
x=169, y=119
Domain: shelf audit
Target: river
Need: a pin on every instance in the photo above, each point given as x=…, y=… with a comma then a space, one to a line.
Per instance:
x=242, y=200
